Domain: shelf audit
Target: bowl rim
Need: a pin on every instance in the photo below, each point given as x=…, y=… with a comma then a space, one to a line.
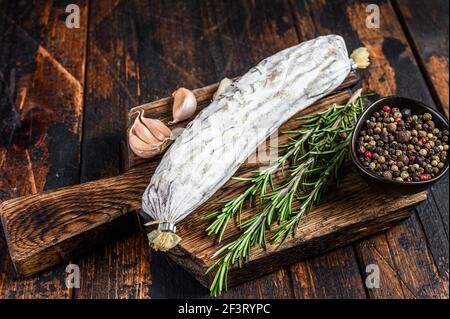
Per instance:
x=379, y=178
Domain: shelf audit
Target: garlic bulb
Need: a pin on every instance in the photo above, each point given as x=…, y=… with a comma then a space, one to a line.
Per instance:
x=148, y=137
x=223, y=85
x=184, y=105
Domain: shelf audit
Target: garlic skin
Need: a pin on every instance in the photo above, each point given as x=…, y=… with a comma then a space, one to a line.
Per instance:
x=223, y=86
x=148, y=137
x=184, y=105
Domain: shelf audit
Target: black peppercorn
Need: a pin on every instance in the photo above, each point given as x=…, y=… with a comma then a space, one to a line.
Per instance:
x=406, y=112
x=387, y=175
x=403, y=136
x=404, y=159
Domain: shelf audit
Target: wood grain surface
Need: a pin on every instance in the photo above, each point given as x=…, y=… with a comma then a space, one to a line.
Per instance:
x=121, y=269
x=393, y=71
x=41, y=105
x=431, y=51
x=135, y=52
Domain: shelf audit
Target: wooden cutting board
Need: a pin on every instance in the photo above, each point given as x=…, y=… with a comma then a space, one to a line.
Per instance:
x=347, y=214
x=45, y=229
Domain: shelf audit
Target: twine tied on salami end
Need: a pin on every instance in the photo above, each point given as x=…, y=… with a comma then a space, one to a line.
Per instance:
x=163, y=238
x=360, y=58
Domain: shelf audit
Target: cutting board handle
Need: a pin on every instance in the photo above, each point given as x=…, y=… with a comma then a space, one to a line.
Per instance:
x=51, y=218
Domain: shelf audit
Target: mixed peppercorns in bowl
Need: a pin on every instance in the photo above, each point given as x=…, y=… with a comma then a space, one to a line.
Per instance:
x=400, y=145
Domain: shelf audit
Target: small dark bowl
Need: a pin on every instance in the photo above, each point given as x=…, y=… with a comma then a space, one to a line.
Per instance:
x=391, y=186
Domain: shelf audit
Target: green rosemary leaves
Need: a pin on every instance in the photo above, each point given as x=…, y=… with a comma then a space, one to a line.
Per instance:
x=314, y=156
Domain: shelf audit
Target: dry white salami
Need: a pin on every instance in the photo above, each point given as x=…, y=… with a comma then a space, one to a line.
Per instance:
x=213, y=146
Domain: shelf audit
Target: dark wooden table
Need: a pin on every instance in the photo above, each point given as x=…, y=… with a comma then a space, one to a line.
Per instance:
x=64, y=96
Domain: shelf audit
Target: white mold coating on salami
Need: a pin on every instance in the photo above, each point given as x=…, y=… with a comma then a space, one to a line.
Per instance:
x=213, y=146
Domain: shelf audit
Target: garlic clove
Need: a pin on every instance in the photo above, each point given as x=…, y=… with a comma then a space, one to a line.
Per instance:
x=156, y=127
x=148, y=137
x=184, y=105
x=223, y=86
x=140, y=148
x=141, y=145
x=143, y=133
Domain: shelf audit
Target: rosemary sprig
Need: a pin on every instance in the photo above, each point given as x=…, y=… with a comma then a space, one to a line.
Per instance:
x=315, y=154
x=260, y=182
